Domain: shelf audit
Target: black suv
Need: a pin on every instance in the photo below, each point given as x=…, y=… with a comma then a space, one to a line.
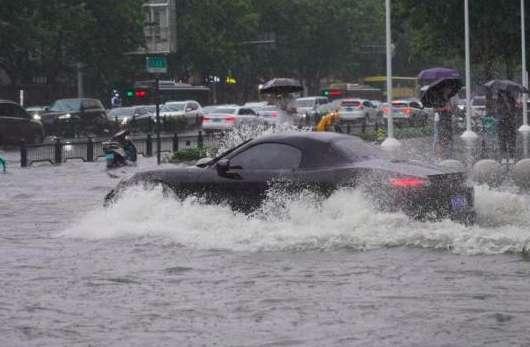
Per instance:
x=75, y=117
x=17, y=125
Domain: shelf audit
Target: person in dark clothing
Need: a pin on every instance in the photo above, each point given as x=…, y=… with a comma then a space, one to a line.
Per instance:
x=128, y=146
x=445, y=129
x=506, y=126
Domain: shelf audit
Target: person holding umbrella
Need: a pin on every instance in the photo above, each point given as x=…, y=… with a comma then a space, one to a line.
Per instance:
x=440, y=96
x=505, y=110
x=506, y=126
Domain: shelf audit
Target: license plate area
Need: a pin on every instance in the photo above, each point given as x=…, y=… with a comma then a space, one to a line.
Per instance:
x=458, y=202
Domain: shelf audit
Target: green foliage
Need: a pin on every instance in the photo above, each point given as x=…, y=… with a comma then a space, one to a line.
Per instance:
x=189, y=154
x=47, y=38
x=399, y=133
x=437, y=32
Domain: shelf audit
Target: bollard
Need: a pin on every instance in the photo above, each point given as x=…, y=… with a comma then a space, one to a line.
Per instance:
x=23, y=154
x=200, y=140
x=58, y=151
x=90, y=150
x=348, y=128
x=149, y=146
x=175, y=143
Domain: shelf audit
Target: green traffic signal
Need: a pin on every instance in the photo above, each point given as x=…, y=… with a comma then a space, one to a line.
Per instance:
x=130, y=93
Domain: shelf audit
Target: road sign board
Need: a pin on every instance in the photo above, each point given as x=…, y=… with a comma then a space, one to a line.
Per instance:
x=156, y=64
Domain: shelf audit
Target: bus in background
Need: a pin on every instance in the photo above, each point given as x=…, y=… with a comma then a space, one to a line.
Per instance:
x=402, y=87
x=351, y=90
x=144, y=93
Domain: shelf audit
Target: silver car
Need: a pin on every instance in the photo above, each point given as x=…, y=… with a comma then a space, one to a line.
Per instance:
x=226, y=117
x=353, y=110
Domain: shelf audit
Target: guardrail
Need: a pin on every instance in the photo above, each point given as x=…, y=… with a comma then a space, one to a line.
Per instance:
x=89, y=150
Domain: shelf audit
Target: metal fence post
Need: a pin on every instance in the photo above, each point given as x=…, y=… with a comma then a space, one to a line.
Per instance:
x=200, y=140
x=90, y=150
x=149, y=145
x=150, y=125
x=23, y=154
x=175, y=142
x=58, y=151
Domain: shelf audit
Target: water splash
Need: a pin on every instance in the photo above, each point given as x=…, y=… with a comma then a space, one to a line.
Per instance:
x=307, y=222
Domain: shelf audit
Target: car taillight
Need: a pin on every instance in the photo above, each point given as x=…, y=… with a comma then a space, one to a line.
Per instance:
x=205, y=119
x=274, y=114
x=230, y=119
x=386, y=110
x=408, y=111
x=408, y=182
x=360, y=107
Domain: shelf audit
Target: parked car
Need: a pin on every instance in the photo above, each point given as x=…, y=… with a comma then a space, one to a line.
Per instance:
x=321, y=162
x=407, y=112
x=272, y=114
x=72, y=117
x=357, y=110
x=16, y=125
x=310, y=109
x=191, y=110
x=226, y=117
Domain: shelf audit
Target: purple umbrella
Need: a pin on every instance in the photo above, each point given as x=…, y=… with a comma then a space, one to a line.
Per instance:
x=436, y=73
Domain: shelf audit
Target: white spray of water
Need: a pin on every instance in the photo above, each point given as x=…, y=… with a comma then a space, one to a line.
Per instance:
x=305, y=222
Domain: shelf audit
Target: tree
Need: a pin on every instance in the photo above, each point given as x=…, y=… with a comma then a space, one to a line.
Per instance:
x=437, y=29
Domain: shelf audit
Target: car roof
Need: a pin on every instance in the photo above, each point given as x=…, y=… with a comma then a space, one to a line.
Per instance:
x=301, y=138
x=8, y=102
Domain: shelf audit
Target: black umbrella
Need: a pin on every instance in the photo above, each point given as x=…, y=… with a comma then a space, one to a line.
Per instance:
x=281, y=86
x=438, y=93
x=505, y=86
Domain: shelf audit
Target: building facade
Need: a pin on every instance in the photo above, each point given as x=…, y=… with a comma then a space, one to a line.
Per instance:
x=160, y=27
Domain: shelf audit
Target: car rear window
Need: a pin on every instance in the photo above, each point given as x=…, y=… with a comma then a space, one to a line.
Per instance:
x=400, y=104
x=224, y=110
x=350, y=103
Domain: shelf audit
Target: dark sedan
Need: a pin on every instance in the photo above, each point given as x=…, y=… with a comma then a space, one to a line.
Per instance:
x=71, y=117
x=16, y=125
x=321, y=162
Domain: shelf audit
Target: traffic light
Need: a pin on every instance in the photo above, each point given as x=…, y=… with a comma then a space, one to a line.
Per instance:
x=332, y=93
x=141, y=93
x=129, y=93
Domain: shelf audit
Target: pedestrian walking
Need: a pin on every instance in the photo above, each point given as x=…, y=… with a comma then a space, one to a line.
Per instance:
x=506, y=113
x=445, y=129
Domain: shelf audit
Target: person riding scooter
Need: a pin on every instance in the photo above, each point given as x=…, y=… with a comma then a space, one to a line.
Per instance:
x=120, y=150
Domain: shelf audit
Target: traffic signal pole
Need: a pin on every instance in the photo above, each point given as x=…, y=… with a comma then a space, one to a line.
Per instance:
x=158, y=144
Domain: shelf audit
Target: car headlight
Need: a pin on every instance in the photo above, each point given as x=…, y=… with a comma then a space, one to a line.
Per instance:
x=36, y=116
x=461, y=107
x=65, y=116
x=125, y=120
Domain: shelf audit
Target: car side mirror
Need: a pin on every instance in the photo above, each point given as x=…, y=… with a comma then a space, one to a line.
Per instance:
x=223, y=168
x=203, y=162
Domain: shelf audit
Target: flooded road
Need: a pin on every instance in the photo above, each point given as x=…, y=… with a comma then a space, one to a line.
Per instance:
x=155, y=271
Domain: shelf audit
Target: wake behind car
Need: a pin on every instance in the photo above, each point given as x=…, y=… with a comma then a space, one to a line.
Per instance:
x=16, y=125
x=71, y=117
x=321, y=162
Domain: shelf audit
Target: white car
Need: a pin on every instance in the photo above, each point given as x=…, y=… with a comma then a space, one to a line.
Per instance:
x=226, y=117
x=408, y=111
x=357, y=110
x=189, y=109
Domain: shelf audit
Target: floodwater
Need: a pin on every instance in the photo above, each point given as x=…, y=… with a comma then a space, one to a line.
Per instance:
x=153, y=271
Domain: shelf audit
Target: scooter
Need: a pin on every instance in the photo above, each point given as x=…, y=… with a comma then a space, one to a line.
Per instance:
x=119, y=151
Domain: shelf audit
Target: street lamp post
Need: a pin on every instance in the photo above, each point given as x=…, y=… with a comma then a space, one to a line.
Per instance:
x=524, y=127
x=469, y=134
x=390, y=142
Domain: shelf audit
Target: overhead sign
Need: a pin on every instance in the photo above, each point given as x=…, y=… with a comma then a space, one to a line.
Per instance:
x=156, y=64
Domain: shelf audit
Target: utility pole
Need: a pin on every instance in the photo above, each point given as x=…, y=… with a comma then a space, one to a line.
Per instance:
x=390, y=142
